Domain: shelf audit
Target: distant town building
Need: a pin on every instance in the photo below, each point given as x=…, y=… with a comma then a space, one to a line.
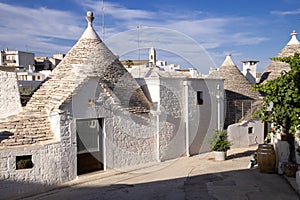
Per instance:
x=249, y=70
x=31, y=69
x=139, y=69
x=18, y=59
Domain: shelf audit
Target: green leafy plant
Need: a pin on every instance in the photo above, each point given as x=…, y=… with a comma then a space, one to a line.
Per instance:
x=129, y=63
x=24, y=164
x=283, y=95
x=219, y=141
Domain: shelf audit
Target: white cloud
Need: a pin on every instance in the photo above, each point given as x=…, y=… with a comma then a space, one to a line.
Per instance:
x=37, y=28
x=116, y=10
x=290, y=12
x=49, y=31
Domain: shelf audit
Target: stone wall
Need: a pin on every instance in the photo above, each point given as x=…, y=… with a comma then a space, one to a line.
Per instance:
x=171, y=119
x=203, y=119
x=246, y=133
x=47, y=169
x=129, y=138
x=236, y=110
x=172, y=113
x=10, y=103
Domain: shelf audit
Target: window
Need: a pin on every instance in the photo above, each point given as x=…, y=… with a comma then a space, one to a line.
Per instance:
x=24, y=162
x=199, y=98
x=250, y=130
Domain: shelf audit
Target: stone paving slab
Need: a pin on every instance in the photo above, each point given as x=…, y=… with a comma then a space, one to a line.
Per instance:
x=197, y=177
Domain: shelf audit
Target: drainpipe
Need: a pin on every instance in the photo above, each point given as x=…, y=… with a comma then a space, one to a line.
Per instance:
x=186, y=105
x=218, y=108
x=157, y=131
x=104, y=144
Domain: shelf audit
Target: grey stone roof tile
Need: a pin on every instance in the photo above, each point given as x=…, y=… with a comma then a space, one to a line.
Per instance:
x=89, y=57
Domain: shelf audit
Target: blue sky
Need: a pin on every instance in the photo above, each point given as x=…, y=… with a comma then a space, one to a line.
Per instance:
x=255, y=30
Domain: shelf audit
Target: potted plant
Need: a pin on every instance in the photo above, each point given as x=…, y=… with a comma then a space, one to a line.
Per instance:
x=220, y=144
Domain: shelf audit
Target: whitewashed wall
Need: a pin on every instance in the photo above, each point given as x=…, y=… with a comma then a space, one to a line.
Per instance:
x=10, y=103
x=129, y=138
x=240, y=136
x=48, y=169
x=204, y=119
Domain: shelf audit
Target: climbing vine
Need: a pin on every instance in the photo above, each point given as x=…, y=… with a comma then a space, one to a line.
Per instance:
x=282, y=97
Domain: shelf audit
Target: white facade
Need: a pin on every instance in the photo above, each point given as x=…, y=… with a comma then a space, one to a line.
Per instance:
x=33, y=76
x=16, y=58
x=246, y=133
x=249, y=70
x=185, y=122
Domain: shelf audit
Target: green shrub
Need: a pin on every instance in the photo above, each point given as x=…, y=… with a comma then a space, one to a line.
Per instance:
x=219, y=141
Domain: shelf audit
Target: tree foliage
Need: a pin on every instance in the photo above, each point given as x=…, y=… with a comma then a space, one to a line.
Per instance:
x=282, y=95
x=129, y=63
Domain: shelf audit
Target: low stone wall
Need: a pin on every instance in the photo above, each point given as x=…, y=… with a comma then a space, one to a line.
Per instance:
x=47, y=169
x=246, y=133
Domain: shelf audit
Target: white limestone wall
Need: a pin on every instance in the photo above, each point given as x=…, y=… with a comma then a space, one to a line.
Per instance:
x=205, y=118
x=10, y=103
x=129, y=139
x=241, y=137
x=201, y=120
x=171, y=119
x=48, y=169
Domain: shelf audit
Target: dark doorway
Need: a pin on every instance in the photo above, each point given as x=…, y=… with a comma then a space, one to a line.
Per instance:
x=89, y=145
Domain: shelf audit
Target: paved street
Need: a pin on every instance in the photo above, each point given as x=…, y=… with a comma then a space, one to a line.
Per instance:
x=198, y=177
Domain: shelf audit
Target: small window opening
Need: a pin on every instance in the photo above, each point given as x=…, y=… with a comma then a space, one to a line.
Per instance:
x=24, y=162
x=199, y=97
x=250, y=130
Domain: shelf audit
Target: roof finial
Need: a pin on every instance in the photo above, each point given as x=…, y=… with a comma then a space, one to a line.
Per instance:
x=89, y=17
x=294, y=39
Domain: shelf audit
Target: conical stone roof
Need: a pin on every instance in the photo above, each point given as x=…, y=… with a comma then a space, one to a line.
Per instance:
x=89, y=57
x=235, y=83
x=276, y=67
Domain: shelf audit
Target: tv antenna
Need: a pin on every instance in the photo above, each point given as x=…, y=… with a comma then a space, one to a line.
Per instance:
x=103, y=25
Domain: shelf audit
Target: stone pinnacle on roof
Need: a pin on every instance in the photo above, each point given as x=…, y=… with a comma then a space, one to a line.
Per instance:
x=236, y=84
x=294, y=39
x=90, y=17
x=276, y=67
x=90, y=33
x=291, y=47
x=228, y=61
x=89, y=59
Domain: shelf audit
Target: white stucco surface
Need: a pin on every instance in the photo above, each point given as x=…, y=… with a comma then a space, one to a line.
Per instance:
x=10, y=103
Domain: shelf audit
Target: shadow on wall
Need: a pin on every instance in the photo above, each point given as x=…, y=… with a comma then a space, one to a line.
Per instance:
x=240, y=184
x=5, y=135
